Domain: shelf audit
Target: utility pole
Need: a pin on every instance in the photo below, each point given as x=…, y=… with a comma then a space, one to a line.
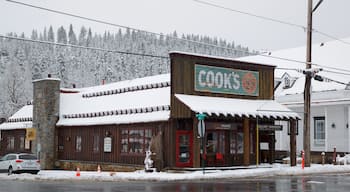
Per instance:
x=308, y=75
x=307, y=86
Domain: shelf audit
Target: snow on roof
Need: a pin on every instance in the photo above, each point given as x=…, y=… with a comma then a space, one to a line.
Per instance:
x=332, y=56
x=139, y=100
x=20, y=120
x=336, y=97
x=236, y=107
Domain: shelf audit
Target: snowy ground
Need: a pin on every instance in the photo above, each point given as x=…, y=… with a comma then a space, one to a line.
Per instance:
x=261, y=171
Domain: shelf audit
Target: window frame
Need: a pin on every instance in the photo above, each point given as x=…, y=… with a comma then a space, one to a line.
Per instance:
x=96, y=143
x=130, y=138
x=78, y=143
x=319, y=135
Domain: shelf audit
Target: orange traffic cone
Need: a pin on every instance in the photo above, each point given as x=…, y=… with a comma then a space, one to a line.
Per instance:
x=78, y=172
x=98, y=169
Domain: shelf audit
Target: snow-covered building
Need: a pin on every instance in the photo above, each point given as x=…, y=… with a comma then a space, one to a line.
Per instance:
x=330, y=98
x=116, y=123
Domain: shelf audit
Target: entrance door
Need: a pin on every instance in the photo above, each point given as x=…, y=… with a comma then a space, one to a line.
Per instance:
x=215, y=147
x=184, y=154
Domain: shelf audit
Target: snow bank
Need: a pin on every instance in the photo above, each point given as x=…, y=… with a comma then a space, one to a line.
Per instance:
x=247, y=172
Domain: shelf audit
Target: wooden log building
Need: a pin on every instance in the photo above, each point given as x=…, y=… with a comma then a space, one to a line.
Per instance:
x=114, y=124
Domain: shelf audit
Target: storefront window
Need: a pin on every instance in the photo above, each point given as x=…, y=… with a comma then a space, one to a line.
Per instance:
x=21, y=143
x=10, y=143
x=215, y=142
x=135, y=140
x=236, y=143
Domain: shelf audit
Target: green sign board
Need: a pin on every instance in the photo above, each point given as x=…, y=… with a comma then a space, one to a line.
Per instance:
x=226, y=80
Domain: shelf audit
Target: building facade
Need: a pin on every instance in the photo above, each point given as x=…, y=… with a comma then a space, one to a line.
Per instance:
x=115, y=124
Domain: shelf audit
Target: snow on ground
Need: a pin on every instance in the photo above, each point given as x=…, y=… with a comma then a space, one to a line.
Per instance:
x=245, y=172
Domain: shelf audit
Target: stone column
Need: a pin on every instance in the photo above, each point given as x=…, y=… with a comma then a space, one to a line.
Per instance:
x=46, y=98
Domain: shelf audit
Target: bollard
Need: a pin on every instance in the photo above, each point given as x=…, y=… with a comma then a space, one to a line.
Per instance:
x=323, y=154
x=302, y=159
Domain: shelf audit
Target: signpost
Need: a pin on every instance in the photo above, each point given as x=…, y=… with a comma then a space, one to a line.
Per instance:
x=201, y=134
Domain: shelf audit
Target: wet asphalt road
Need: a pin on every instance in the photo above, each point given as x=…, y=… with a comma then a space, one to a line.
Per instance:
x=320, y=183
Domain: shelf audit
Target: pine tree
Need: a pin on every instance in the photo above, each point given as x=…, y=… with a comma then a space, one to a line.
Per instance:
x=61, y=35
x=51, y=35
x=72, y=38
x=82, y=36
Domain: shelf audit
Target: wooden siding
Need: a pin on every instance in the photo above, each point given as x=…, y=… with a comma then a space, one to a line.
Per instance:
x=17, y=134
x=67, y=143
x=182, y=79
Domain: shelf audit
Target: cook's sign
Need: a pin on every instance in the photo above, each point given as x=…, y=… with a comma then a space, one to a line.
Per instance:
x=226, y=80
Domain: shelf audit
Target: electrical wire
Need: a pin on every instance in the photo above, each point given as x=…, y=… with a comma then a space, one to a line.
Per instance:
x=84, y=47
x=251, y=14
x=121, y=26
x=334, y=68
x=153, y=33
x=336, y=72
x=271, y=19
x=177, y=38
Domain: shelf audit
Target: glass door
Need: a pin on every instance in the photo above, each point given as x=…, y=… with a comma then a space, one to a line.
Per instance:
x=215, y=147
x=184, y=155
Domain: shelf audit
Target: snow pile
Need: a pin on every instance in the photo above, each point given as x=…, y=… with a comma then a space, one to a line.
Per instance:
x=245, y=172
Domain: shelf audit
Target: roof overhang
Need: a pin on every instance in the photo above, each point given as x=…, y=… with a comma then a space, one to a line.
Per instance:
x=237, y=107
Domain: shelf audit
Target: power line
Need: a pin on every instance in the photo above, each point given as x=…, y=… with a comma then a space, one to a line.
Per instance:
x=84, y=47
x=159, y=34
x=334, y=68
x=252, y=15
x=121, y=26
x=336, y=72
x=271, y=19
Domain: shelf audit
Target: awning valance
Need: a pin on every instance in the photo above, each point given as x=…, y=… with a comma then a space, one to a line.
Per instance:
x=237, y=107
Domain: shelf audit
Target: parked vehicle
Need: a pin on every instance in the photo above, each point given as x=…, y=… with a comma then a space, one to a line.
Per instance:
x=19, y=163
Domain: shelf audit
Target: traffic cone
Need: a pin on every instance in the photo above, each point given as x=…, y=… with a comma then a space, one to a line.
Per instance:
x=78, y=172
x=98, y=169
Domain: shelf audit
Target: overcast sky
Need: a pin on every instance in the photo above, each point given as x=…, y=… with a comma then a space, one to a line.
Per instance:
x=189, y=17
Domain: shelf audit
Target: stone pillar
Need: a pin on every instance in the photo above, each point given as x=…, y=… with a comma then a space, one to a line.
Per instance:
x=46, y=98
x=246, y=142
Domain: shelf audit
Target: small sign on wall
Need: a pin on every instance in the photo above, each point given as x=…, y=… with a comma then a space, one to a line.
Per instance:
x=107, y=144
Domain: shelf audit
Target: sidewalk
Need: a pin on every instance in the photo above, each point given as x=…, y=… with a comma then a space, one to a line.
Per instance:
x=251, y=171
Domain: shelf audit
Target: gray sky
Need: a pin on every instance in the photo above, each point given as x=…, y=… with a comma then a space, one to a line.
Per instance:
x=188, y=16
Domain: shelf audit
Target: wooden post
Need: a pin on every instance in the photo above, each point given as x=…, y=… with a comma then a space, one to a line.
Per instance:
x=293, y=143
x=246, y=142
x=196, y=145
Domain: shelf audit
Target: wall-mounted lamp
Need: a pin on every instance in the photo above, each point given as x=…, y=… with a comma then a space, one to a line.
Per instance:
x=68, y=138
x=333, y=125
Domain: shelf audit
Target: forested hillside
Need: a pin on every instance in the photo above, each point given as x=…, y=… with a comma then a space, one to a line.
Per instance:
x=94, y=59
